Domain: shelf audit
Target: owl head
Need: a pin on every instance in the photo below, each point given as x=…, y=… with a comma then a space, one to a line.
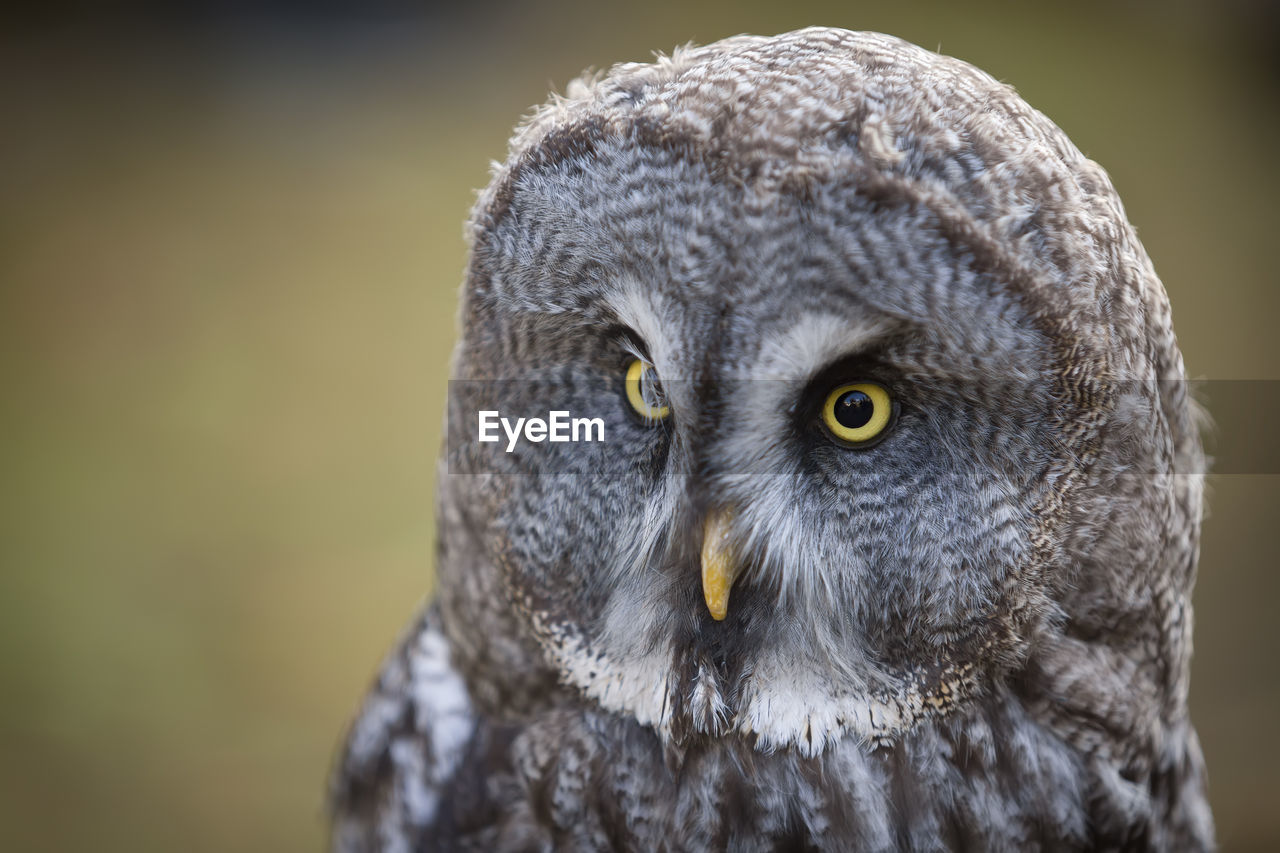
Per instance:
x=888, y=401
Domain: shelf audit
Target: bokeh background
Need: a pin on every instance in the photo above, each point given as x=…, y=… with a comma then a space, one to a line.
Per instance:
x=230, y=244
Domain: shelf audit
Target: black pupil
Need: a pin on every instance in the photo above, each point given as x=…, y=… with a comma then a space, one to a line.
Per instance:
x=854, y=409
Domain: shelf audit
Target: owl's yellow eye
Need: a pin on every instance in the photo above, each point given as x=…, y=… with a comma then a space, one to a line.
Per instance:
x=643, y=392
x=857, y=412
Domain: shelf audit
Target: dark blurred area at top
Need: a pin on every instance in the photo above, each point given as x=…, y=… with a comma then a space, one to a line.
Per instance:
x=1249, y=27
x=211, y=16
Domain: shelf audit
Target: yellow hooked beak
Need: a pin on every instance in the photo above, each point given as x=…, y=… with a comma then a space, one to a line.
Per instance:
x=719, y=569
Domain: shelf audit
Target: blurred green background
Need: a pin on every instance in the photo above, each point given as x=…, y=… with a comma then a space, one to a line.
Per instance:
x=230, y=242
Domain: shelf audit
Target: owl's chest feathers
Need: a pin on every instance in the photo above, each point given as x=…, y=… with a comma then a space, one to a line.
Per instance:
x=1021, y=766
x=992, y=777
x=1032, y=761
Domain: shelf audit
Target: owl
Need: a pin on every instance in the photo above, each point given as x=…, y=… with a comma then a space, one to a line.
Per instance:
x=819, y=475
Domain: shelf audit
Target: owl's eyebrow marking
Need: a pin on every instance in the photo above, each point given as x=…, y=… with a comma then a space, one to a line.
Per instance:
x=629, y=341
x=636, y=312
x=814, y=341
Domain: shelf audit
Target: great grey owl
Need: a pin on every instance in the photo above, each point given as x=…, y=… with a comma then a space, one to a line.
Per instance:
x=876, y=520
